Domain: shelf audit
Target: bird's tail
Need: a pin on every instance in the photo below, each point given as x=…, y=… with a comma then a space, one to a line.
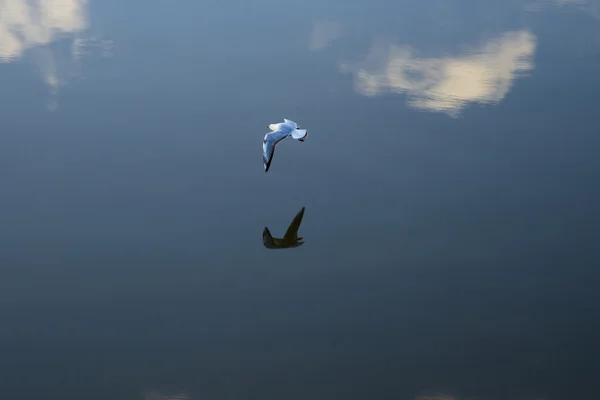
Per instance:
x=300, y=134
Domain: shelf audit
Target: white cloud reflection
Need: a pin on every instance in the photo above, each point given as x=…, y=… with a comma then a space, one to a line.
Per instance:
x=31, y=26
x=25, y=24
x=447, y=84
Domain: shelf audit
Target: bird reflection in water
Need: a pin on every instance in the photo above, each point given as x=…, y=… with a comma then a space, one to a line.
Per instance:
x=290, y=239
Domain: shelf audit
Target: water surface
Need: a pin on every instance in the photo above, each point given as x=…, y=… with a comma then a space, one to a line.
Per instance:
x=450, y=182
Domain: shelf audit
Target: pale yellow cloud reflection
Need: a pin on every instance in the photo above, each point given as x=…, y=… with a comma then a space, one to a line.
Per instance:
x=447, y=84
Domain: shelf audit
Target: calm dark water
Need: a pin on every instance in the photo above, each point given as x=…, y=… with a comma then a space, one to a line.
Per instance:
x=450, y=181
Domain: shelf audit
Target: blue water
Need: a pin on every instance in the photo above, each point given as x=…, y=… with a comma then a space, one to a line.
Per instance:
x=450, y=181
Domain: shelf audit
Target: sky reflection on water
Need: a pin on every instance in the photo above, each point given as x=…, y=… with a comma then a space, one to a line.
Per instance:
x=450, y=177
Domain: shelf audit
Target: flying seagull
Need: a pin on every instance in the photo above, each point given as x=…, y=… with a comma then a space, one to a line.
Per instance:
x=290, y=239
x=278, y=133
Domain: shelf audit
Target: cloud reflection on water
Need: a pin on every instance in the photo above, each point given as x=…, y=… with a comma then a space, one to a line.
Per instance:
x=26, y=24
x=447, y=84
x=32, y=26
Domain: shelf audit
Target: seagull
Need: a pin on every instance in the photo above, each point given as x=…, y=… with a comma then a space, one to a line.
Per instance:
x=278, y=133
x=290, y=239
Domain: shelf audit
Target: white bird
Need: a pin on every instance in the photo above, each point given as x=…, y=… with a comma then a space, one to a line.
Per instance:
x=280, y=132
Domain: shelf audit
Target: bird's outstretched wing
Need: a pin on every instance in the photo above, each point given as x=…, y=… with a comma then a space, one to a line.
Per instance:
x=292, y=231
x=271, y=140
x=268, y=240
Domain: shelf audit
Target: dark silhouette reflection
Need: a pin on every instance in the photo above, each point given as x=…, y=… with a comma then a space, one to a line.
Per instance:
x=290, y=239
